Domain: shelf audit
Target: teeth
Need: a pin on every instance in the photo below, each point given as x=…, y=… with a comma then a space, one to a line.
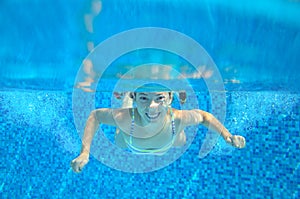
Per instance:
x=152, y=116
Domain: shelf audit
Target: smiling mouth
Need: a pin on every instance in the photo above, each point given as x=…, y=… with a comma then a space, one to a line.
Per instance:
x=152, y=116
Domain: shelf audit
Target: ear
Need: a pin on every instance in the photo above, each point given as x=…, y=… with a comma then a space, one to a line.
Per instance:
x=132, y=95
x=182, y=97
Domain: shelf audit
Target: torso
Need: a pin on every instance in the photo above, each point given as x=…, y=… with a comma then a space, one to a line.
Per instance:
x=146, y=137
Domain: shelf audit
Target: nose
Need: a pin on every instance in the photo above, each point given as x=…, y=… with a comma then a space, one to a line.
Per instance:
x=153, y=104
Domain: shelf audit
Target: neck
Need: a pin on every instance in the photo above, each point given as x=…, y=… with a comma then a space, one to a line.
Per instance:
x=148, y=127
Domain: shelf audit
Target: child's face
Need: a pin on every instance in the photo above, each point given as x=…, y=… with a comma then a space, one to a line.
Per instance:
x=152, y=106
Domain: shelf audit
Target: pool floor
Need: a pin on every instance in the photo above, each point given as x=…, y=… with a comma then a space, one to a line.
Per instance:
x=39, y=139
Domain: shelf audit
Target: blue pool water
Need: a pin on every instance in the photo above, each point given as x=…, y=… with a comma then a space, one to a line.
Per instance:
x=255, y=46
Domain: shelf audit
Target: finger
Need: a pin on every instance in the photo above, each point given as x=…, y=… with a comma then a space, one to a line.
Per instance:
x=240, y=142
x=79, y=169
x=82, y=164
x=72, y=162
x=243, y=141
x=75, y=166
x=229, y=140
x=236, y=141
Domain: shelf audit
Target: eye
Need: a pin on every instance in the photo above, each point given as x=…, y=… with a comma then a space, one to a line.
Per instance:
x=143, y=99
x=161, y=98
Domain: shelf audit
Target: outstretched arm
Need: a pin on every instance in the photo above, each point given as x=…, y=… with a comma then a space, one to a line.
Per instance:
x=212, y=123
x=92, y=124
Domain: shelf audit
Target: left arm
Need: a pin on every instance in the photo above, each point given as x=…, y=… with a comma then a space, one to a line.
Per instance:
x=194, y=117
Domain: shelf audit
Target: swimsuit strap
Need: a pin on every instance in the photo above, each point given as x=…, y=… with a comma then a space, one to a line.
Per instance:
x=132, y=125
x=172, y=122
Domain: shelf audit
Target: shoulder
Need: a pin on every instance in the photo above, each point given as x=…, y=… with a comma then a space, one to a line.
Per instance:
x=122, y=114
x=113, y=117
x=189, y=117
x=123, y=119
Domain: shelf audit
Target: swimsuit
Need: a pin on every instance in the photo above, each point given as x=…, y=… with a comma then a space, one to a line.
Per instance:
x=151, y=151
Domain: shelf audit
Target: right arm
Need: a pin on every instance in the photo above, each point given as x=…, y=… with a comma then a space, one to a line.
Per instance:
x=104, y=116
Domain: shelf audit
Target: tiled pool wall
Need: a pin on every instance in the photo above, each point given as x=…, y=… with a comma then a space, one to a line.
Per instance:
x=39, y=140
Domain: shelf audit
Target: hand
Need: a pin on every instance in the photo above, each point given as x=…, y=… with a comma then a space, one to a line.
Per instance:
x=78, y=163
x=236, y=141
